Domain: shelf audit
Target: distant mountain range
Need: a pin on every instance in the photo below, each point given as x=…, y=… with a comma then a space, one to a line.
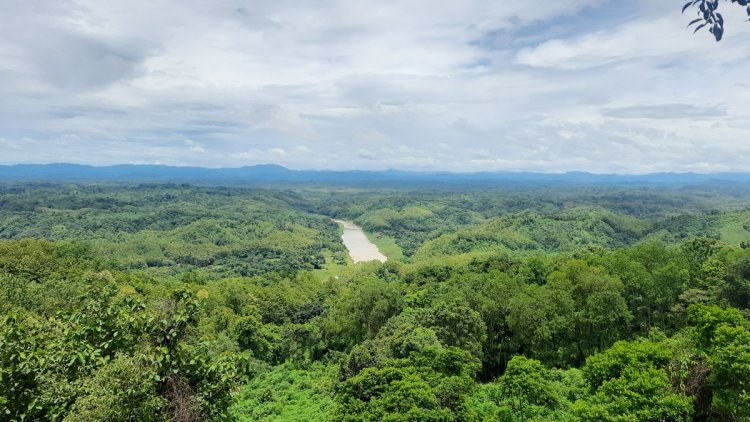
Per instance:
x=275, y=174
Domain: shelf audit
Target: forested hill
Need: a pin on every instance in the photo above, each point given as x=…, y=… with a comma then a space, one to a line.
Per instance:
x=173, y=302
x=271, y=173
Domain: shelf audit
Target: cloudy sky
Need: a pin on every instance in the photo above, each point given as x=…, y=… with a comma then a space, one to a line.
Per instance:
x=591, y=85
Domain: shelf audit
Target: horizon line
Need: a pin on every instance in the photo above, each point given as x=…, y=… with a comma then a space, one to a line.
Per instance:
x=386, y=170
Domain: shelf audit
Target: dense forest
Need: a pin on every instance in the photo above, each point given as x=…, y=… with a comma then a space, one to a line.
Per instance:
x=166, y=302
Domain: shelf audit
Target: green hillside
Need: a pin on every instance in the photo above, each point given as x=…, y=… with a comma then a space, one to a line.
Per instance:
x=166, y=302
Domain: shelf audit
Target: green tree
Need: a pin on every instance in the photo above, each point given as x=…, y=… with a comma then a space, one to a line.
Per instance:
x=623, y=355
x=541, y=320
x=730, y=371
x=456, y=325
x=359, y=313
x=638, y=394
x=653, y=276
x=724, y=337
x=120, y=391
x=528, y=389
x=427, y=386
x=252, y=336
x=629, y=382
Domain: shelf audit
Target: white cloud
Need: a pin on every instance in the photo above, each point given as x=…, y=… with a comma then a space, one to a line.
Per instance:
x=655, y=39
x=195, y=146
x=472, y=85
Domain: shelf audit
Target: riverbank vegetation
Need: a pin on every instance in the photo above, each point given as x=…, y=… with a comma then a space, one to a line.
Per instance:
x=176, y=302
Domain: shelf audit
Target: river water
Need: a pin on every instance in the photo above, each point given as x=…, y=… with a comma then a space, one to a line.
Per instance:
x=359, y=246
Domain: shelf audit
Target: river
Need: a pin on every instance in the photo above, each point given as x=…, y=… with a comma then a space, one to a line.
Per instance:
x=359, y=246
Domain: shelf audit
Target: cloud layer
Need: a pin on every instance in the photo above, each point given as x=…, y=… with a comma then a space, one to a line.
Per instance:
x=595, y=85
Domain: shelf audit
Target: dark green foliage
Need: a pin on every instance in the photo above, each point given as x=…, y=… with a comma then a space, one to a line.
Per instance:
x=709, y=17
x=622, y=356
x=62, y=366
x=166, y=229
x=638, y=395
x=289, y=394
x=163, y=302
x=724, y=337
x=630, y=382
x=528, y=388
x=730, y=371
x=653, y=276
x=359, y=313
x=121, y=390
x=429, y=385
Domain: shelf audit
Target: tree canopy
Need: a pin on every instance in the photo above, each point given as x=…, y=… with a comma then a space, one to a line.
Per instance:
x=566, y=304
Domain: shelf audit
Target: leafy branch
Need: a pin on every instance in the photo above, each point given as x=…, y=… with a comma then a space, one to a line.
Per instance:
x=708, y=15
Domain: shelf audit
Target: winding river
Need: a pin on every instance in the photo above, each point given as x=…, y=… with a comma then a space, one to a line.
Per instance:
x=359, y=246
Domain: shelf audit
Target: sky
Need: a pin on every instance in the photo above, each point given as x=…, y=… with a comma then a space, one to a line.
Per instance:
x=604, y=86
